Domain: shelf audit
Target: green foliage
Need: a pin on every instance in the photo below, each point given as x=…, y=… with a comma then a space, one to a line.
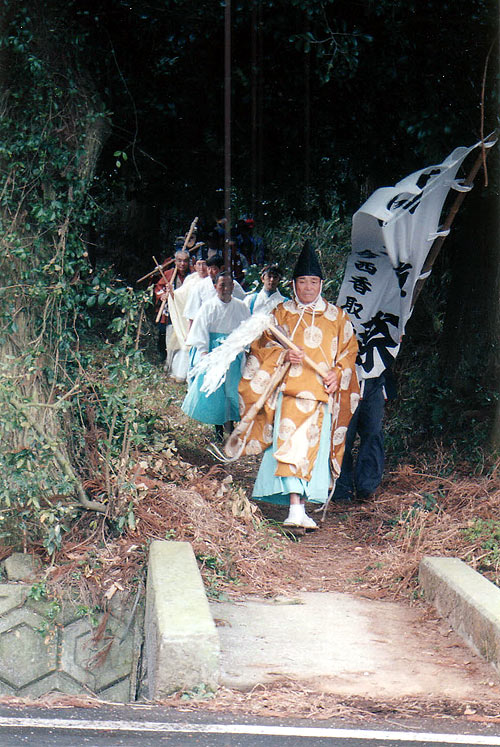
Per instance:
x=50, y=608
x=52, y=392
x=92, y=613
x=38, y=591
x=330, y=237
x=347, y=96
x=486, y=533
x=199, y=692
x=429, y=412
x=217, y=573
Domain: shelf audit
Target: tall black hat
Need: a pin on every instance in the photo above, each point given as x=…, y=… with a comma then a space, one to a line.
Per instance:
x=202, y=253
x=307, y=263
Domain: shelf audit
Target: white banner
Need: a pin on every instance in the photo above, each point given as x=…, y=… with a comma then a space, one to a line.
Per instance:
x=392, y=234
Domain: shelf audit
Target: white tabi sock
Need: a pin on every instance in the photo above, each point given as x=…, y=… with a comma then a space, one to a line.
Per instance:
x=296, y=514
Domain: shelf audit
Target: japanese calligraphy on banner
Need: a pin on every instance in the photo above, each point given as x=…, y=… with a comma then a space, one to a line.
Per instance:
x=392, y=234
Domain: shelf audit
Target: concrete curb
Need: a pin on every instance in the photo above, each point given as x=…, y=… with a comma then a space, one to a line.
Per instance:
x=181, y=641
x=469, y=602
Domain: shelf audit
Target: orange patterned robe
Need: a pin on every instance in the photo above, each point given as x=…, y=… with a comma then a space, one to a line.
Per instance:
x=327, y=337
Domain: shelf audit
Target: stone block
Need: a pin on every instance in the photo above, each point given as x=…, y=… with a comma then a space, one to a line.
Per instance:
x=26, y=653
x=467, y=600
x=59, y=611
x=21, y=567
x=55, y=682
x=12, y=596
x=6, y=689
x=80, y=654
x=46, y=646
x=118, y=692
x=182, y=644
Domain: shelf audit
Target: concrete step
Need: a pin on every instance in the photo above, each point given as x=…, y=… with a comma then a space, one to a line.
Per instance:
x=467, y=600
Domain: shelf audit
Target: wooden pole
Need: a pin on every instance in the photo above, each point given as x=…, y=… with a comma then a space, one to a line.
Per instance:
x=284, y=339
x=169, y=261
x=307, y=123
x=172, y=281
x=253, y=149
x=260, y=108
x=438, y=243
x=227, y=135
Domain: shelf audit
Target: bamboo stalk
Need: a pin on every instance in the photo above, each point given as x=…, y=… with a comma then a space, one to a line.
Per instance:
x=163, y=303
x=189, y=233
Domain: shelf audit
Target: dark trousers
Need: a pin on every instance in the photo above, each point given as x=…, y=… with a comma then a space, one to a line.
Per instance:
x=162, y=347
x=365, y=476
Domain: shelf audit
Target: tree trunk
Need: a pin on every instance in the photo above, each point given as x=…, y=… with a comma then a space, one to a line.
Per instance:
x=33, y=244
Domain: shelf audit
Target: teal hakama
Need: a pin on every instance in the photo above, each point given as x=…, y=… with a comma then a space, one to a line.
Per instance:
x=194, y=357
x=222, y=405
x=271, y=488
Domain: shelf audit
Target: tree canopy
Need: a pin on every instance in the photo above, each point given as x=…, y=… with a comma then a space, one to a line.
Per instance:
x=112, y=141
x=330, y=99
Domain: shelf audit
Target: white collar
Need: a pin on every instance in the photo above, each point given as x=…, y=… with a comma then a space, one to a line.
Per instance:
x=319, y=305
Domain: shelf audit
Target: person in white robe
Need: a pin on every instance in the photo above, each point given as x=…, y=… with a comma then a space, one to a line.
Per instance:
x=216, y=319
x=205, y=290
x=199, y=267
x=269, y=296
x=177, y=363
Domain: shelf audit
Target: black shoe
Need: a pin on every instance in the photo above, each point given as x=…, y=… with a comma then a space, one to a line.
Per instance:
x=342, y=496
x=362, y=497
x=219, y=433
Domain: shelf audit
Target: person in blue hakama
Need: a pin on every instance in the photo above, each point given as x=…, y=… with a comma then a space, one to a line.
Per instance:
x=215, y=320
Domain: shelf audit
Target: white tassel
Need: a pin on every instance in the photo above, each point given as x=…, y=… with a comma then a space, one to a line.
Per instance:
x=215, y=365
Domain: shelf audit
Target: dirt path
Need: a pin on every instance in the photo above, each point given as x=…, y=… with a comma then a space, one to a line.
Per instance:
x=368, y=553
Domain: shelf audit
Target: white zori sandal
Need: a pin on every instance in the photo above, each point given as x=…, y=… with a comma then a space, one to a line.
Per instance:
x=297, y=517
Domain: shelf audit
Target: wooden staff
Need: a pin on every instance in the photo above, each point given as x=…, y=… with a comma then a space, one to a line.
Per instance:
x=172, y=281
x=174, y=275
x=235, y=444
x=284, y=339
x=169, y=261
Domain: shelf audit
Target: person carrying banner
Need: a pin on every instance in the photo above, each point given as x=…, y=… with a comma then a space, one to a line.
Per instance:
x=301, y=427
x=269, y=296
x=395, y=236
x=217, y=317
x=360, y=478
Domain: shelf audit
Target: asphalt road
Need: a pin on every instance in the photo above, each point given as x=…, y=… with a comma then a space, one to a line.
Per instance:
x=74, y=727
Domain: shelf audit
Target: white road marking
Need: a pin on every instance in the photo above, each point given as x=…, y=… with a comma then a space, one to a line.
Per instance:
x=259, y=729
